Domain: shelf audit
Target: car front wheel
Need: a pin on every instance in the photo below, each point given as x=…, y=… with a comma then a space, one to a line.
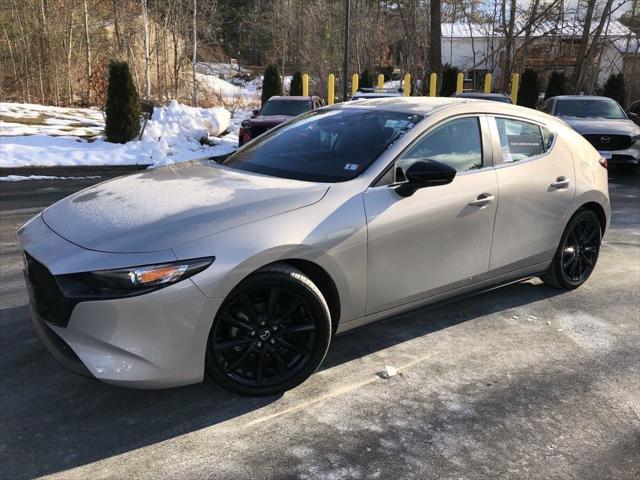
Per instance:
x=271, y=333
x=578, y=252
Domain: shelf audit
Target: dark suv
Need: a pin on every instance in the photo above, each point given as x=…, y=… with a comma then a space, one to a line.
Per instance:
x=603, y=123
x=274, y=112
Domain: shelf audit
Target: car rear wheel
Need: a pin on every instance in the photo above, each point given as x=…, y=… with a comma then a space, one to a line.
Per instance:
x=271, y=333
x=578, y=252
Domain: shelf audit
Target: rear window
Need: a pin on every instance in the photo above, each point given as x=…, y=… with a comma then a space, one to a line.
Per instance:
x=285, y=107
x=324, y=145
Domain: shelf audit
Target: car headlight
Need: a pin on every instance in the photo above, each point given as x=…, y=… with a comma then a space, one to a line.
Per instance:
x=245, y=124
x=130, y=281
x=150, y=275
x=635, y=138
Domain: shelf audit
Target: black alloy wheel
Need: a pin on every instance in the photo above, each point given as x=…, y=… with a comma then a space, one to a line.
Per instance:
x=578, y=252
x=270, y=334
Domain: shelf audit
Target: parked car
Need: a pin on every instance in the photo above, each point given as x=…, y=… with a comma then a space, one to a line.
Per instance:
x=634, y=112
x=275, y=111
x=243, y=272
x=494, y=97
x=603, y=122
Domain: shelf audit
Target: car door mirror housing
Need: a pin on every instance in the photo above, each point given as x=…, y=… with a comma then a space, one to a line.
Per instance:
x=255, y=113
x=632, y=116
x=425, y=173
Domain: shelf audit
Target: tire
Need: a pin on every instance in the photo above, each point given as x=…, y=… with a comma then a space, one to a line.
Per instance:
x=577, y=253
x=270, y=334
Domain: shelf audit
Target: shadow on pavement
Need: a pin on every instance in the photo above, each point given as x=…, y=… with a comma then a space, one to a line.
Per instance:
x=52, y=420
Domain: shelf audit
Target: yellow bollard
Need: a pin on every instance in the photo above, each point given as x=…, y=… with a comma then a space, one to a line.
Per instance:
x=433, y=83
x=515, y=84
x=488, y=79
x=460, y=83
x=406, y=87
x=355, y=79
x=305, y=85
x=331, y=85
x=380, y=82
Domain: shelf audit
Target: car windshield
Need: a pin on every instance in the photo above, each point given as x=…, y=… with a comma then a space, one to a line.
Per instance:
x=324, y=145
x=285, y=107
x=590, y=108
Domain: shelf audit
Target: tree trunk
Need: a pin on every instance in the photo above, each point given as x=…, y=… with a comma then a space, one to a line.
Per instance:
x=145, y=29
x=194, y=94
x=435, y=37
x=87, y=47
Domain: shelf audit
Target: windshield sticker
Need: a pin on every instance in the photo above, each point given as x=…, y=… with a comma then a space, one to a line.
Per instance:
x=352, y=167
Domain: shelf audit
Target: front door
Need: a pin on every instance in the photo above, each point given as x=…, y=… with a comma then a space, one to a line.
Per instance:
x=439, y=238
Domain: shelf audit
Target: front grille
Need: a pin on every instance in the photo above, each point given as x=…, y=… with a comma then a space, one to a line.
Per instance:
x=258, y=130
x=609, y=142
x=46, y=296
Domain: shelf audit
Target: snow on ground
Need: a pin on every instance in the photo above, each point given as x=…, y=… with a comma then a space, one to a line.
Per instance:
x=36, y=135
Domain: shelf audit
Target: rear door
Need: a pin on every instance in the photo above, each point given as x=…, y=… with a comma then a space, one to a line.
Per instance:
x=536, y=182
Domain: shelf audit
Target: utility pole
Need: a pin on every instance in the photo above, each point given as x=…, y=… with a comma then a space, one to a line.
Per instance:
x=345, y=63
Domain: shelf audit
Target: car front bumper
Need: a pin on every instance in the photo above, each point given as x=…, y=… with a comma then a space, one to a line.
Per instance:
x=630, y=156
x=155, y=340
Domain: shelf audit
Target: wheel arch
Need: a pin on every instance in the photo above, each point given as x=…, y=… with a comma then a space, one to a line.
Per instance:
x=596, y=208
x=321, y=278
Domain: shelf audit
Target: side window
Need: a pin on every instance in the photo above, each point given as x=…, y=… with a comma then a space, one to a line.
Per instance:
x=519, y=140
x=547, y=137
x=456, y=143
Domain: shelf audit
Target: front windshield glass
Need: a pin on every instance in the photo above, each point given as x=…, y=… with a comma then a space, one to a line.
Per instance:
x=324, y=145
x=590, y=108
x=285, y=107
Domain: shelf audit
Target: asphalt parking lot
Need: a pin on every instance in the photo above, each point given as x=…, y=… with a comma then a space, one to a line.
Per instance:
x=523, y=382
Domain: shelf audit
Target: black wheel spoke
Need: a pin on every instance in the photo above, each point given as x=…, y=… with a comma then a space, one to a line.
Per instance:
x=299, y=329
x=237, y=323
x=240, y=360
x=260, y=367
x=294, y=347
x=281, y=366
x=273, y=301
x=292, y=309
x=249, y=308
x=232, y=344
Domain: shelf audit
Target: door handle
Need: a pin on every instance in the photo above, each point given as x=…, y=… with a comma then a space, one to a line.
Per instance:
x=561, y=182
x=483, y=200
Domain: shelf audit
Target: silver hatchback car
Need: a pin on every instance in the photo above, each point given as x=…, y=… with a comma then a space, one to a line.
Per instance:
x=243, y=272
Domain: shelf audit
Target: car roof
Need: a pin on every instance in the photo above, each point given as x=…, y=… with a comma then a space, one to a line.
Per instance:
x=377, y=94
x=429, y=105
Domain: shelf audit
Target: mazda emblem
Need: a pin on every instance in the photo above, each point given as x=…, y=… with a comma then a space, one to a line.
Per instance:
x=605, y=139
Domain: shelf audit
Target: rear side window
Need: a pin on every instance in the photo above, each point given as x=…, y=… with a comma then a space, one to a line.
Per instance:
x=519, y=140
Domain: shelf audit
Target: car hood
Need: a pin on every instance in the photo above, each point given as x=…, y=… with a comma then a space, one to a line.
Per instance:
x=165, y=207
x=585, y=126
x=268, y=120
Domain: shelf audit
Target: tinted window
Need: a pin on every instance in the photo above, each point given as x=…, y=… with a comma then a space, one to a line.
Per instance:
x=285, y=107
x=519, y=140
x=456, y=143
x=324, y=145
x=589, y=108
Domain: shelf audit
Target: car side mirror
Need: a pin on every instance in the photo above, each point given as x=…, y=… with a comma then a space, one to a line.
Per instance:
x=426, y=173
x=255, y=113
x=632, y=116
